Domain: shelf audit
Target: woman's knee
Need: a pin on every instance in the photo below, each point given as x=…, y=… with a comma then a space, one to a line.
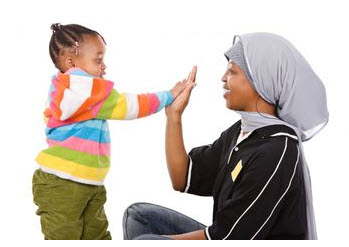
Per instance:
x=134, y=210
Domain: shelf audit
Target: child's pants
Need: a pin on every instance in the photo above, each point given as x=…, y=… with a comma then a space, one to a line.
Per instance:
x=69, y=210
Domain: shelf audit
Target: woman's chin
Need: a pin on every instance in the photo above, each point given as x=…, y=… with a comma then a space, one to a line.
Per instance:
x=229, y=105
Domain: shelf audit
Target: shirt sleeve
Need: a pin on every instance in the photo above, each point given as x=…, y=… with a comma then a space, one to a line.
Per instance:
x=252, y=209
x=203, y=167
x=128, y=106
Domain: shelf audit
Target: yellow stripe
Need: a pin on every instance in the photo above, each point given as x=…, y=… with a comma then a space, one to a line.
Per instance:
x=120, y=110
x=236, y=170
x=72, y=168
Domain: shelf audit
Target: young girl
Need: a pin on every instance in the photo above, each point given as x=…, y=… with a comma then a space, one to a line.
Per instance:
x=68, y=186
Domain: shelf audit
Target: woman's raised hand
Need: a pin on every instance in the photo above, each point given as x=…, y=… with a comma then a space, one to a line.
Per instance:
x=181, y=92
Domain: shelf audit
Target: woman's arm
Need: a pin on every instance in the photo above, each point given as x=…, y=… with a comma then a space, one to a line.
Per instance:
x=176, y=155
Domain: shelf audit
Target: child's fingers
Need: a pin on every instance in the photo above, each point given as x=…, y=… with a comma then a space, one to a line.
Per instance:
x=178, y=88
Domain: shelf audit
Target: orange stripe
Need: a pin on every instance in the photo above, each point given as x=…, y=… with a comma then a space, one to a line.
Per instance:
x=61, y=84
x=144, y=105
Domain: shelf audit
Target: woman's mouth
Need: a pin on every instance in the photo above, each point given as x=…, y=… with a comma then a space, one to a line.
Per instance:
x=226, y=91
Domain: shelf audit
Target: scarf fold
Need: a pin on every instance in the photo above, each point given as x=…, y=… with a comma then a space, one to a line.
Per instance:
x=282, y=77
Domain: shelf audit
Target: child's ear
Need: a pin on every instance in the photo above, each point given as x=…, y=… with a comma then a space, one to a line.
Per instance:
x=69, y=62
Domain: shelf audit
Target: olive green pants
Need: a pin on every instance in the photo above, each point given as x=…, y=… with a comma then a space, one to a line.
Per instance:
x=69, y=210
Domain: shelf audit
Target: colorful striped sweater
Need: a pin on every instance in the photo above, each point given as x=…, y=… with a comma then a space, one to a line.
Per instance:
x=77, y=131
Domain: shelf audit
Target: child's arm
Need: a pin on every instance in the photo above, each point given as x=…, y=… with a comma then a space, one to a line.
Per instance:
x=127, y=106
x=76, y=98
x=131, y=106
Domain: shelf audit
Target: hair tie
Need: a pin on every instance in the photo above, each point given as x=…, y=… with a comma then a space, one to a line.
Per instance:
x=76, y=48
x=56, y=27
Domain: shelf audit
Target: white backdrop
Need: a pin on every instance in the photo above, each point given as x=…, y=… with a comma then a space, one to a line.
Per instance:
x=150, y=46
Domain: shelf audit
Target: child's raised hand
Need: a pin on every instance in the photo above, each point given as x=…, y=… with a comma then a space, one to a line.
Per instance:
x=178, y=88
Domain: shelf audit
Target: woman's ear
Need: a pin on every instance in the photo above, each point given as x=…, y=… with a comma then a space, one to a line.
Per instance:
x=69, y=62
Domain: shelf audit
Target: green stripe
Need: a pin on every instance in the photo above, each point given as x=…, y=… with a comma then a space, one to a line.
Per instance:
x=108, y=106
x=96, y=161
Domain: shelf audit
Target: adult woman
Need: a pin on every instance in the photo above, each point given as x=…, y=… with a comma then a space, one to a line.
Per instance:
x=256, y=171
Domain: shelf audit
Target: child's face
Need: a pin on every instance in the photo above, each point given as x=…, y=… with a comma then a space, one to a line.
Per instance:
x=91, y=55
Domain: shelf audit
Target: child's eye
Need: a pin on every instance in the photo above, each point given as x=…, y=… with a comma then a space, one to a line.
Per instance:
x=99, y=61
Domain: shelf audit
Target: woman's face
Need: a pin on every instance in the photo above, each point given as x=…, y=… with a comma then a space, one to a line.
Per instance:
x=238, y=92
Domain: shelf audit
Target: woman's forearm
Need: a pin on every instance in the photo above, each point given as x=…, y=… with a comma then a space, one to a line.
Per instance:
x=176, y=155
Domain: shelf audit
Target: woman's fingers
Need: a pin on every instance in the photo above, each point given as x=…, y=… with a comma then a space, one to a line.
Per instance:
x=192, y=74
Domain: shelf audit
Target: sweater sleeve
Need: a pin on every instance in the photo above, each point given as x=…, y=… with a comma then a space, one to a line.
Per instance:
x=127, y=106
x=79, y=97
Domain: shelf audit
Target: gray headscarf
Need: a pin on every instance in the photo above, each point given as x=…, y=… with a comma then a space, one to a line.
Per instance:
x=282, y=77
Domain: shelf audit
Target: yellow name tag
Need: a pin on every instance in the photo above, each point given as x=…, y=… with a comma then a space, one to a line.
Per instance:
x=236, y=171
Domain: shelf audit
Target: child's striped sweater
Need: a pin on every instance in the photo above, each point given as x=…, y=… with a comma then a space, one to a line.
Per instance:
x=77, y=131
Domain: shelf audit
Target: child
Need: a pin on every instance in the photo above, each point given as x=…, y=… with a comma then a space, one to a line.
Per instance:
x=68, y=186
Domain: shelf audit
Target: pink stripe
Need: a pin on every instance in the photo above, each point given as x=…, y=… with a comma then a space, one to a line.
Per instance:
x=109, y=86
x=97, y=107
x=154, y=103
x=83, y=145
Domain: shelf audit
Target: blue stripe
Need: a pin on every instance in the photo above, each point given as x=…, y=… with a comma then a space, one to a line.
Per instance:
x=50, y=91
x=165, y=99
x=92, y=134
x=169, y=98
x=80, y=73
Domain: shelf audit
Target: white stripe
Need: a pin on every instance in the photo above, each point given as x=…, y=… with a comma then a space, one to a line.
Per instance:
x=132, y=106
x=189, y=175
x=240, y=139
x=80, y=88
x=286, y=134
x=81, y=85
x=207, y=234
x=231, y=152
x=289, y=185
x=70, y=177
x=237, y=221
x=70, y=103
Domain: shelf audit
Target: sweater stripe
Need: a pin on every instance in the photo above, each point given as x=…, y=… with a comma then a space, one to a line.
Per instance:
x=71, y=167
x=79, y=157
x=92, y=134
x=108, y=106
x=82, y=145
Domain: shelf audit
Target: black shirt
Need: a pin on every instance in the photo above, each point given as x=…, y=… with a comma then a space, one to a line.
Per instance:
x=257, y=185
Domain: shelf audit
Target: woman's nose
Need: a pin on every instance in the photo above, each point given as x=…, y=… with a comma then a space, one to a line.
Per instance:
x=224, y=78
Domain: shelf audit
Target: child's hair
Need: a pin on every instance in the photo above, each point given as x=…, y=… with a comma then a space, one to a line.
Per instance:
x=67, y=36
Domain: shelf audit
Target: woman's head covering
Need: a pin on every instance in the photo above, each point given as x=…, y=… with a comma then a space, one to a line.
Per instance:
x=282, y=77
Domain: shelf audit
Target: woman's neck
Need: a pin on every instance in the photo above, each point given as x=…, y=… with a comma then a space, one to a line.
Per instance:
x=262, y=106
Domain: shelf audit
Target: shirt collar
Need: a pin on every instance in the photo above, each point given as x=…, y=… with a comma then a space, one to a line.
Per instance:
x=274, y=130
